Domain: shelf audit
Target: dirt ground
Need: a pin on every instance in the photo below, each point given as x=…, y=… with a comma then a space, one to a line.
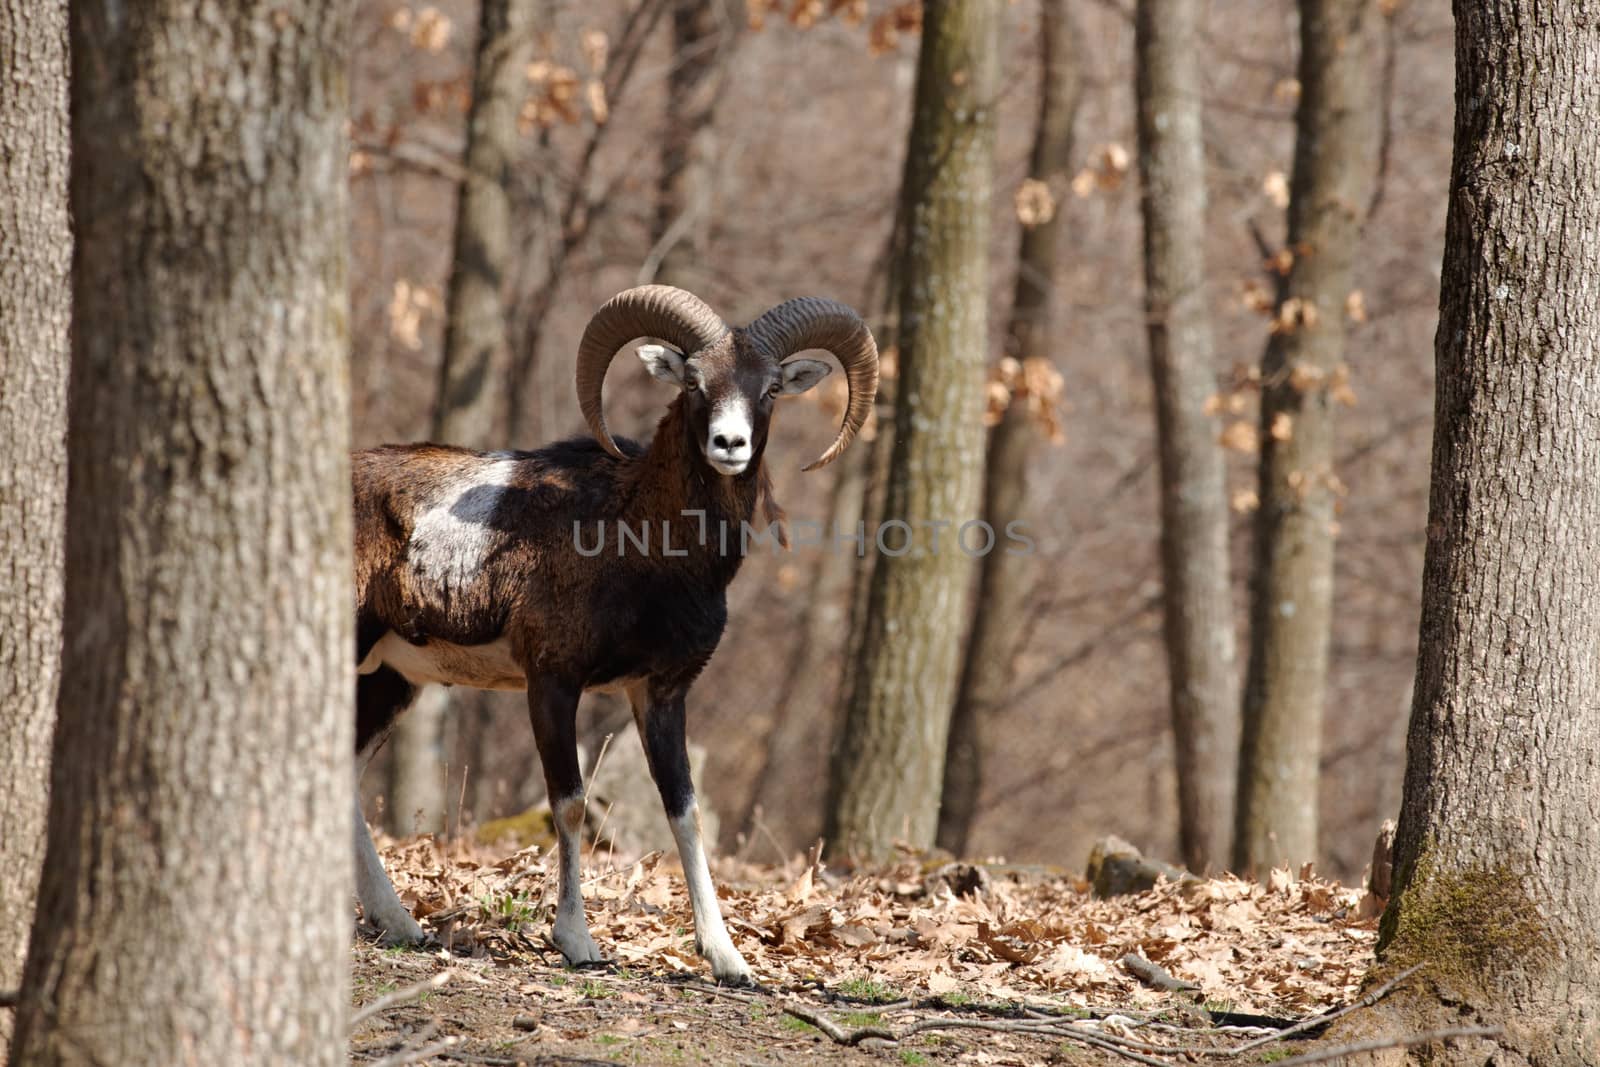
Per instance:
x=920, y=962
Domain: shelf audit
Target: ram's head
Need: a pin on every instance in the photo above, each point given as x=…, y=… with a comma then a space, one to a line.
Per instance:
x=729, y=376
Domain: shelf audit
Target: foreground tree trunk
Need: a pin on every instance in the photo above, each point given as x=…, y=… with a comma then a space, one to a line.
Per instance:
x=1335, y=164
x=886, y=779
x=989, y=665
x=1197, y=597
x=35, y=305
x=474, y=356
x=195, y=898
x=1497, y=875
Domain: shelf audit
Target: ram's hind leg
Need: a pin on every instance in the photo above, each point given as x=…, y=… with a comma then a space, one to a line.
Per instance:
x=661, y=728
x=380, y=698
x=553, y=708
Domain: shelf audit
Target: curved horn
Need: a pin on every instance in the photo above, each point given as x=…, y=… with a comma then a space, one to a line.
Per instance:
x=812, y=322
x=673, y=315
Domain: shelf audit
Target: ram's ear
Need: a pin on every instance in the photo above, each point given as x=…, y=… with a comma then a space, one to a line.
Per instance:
x=663, y=363
x=801, y=374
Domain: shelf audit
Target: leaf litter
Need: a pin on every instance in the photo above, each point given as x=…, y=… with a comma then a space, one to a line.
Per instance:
x=914, y=932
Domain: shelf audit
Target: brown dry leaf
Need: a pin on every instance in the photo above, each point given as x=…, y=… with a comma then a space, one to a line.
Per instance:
x=1244, y=501
x=430, y=30
x=1281, y=262
x=805, y=13
x=595, y=91
x=1276, y=186
x=1339, y=386
x=1282, y=428
x=1355, y=306
x=1035, y=204
x=596, y=48
x=1240, y=436
x=1294, y=314
x=1256, y=297
x=1303, y=377
x=886, y=30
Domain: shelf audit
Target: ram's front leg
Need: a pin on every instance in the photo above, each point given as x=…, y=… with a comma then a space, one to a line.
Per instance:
x=553, y=708
x=661, y=727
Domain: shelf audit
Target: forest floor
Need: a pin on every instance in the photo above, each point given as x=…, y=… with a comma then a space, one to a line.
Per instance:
x=916, y=963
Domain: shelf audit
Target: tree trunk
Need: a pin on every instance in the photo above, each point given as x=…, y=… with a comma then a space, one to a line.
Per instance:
x=1335, y=163
x=1003, y=577
x=35, y=306
x=1497, y=877
x=195, y=897
x=475, y=322
x=804, y=719
x=887, y=776
x=475, y=341
x=1197, y=597
x=702, y=43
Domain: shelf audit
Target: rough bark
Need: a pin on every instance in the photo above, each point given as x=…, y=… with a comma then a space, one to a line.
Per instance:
x=804, y=710
x=475, y=341
x=888, y=770
x=988, y=668
x=703, y=38
x=475, y=323
x=1496, y=873
x=1335, y=163
x=1197, y=600
x=35, y=306
x=194, y=901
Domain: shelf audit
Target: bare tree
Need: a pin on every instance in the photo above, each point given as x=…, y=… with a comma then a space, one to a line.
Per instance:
x=1497, y=877
x=35, y=306
x=1197, y=599
x=1335, y=162
x=200, y=787
x=988, y=669
x=887, y=778
x=704, y=34
x=474, y=356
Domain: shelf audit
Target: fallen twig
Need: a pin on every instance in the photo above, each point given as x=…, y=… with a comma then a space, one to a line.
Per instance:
x=473, y=1057
x=399, y=996
x=421, y=1052
x=1322, y=1020
x=1154, y=976
x=834, y=1030
x=1381, y=1043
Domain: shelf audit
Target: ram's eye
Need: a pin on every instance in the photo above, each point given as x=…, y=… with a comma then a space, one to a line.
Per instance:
x=691, y=384
x=775, y=388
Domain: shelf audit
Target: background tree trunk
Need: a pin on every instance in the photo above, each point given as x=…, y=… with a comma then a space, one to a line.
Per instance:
x=1197, y=597
x=195, y=898
x=35, y=309
x=475, y=323
x=997, y=617
x=1335, y=163
x=886, y=779
x=1497, y=880
x=704, y=33
x=475, y=341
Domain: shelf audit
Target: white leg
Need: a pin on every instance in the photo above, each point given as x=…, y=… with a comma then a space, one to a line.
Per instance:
x=661, y=729
x=378, y=899
x=572, y=926
x=711, y=938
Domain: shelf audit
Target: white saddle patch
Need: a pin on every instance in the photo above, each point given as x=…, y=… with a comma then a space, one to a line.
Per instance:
x=452, y=538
